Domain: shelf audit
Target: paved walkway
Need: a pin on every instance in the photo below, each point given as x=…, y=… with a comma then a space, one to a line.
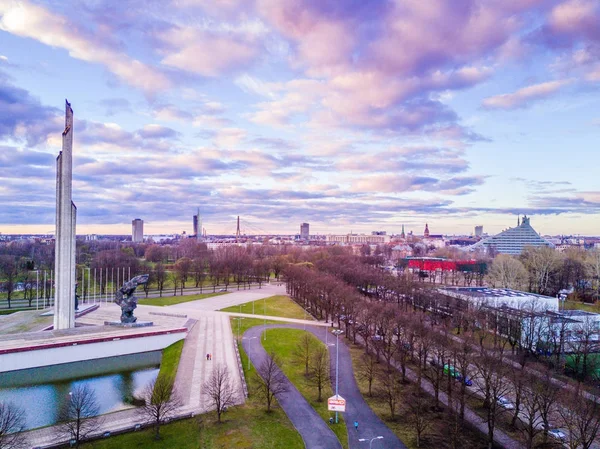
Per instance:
x=314, y=431
x=356, y=409
x=234, y=298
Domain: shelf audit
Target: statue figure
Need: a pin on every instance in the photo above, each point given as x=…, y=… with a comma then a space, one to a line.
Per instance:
x=124, y=297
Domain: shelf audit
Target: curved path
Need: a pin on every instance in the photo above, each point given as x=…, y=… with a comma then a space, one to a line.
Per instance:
x=315, y=432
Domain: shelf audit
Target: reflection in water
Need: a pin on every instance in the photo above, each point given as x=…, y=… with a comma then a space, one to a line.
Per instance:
x=42, y=400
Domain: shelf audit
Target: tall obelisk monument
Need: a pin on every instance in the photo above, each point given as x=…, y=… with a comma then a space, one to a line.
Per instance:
x=66, y=214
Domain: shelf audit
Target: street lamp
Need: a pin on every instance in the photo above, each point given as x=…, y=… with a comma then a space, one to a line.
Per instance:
x=371, y=441
x=337, y=333
x=238, y=326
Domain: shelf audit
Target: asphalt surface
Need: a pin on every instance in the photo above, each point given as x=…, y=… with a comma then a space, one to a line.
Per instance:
x=314, y=431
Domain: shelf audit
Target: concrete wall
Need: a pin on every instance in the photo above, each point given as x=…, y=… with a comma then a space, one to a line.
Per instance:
x=55, y=354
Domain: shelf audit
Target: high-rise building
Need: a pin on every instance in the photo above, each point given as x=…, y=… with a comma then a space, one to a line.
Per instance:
x=195, y=224
x=137, y=230
x=304, y=231
x=478, y=231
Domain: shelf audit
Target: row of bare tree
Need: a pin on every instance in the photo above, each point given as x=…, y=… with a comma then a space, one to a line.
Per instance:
x=387, y=316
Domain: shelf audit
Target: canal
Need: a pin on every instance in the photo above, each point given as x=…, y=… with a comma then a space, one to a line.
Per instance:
x=41, y=392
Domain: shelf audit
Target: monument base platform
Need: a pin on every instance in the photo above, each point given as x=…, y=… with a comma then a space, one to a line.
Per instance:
x=136, y=324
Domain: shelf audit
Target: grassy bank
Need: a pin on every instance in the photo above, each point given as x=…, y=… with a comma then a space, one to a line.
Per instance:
x=170, y=360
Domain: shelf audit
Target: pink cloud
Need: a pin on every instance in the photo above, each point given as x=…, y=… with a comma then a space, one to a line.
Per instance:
x=28, y=20
x=524, y=96
x=207, y=53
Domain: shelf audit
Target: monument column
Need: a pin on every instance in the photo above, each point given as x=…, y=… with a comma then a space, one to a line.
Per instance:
x=64, y=262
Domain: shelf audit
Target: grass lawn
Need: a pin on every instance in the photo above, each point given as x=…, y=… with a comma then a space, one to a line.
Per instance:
x=9, y=311
x=578, y=305
x=243, y=427
x=282, y=342
x=172, y=300
x=170, y=360
x=438, y=434
x=279, y=305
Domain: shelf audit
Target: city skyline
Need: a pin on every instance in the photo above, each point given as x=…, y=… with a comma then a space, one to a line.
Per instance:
x=344, y=115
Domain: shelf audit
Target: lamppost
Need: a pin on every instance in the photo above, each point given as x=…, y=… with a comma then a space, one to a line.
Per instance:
x=337, y=333
x=239, y=318
x=371, y=441
x=265, y=313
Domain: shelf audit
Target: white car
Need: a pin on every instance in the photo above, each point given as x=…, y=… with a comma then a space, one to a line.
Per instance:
x=558, y=434
x=505, y=403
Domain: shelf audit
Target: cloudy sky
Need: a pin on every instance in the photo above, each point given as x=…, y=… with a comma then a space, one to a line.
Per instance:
x=348, y=114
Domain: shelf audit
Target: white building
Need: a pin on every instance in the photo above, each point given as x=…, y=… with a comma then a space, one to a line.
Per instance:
x=503, y=297
x=353, y=239
x=513, y=240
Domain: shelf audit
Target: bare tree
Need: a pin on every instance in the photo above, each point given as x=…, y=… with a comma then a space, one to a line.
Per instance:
x=581, y=417
x=160, y=402
x=367, y=370
x=220, y=390
x=492, y=382
x=183, y=267
x=319, y=369
x=390, y=387
x=12, y=424
x=161, y=276
x=507, y=272
x=541, y=262
x=78, y=417
x=547, y=393
x=271, y=381
x=303, y=351
x=418, y=416
x=530, y=411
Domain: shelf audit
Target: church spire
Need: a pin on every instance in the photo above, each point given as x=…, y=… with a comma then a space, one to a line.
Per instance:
x=402, y=234
x=426, y=232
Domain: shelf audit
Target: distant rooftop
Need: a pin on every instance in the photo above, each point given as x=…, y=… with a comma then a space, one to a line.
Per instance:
x=493, y=292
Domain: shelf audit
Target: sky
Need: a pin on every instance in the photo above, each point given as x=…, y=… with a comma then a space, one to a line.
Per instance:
x=351, y=115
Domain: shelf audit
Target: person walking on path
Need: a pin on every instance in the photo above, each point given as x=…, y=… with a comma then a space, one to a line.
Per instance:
x=356, y=425
x=207, y=356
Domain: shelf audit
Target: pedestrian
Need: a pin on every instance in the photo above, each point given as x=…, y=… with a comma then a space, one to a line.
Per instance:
x=207, y=356
x=356, y=425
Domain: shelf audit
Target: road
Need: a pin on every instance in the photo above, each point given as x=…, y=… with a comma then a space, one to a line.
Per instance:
x=310, y=425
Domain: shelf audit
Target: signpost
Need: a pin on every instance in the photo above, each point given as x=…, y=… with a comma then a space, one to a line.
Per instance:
x=336, y=404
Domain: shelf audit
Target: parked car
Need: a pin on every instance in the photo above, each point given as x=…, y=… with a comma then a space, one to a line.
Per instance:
x=557, y=434
x=453, y=372
x=505, y=403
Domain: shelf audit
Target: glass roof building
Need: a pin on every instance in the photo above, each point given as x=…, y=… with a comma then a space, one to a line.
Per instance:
x=513, y=240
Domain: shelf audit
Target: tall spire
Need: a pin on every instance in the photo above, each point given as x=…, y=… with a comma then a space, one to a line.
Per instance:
x=426, y=232
x=402, y=234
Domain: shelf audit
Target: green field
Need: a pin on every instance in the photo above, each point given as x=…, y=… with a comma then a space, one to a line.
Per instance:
x=280, y=305
x=172, y=300
x=578, y=305
x=243, y=427
x=282, y=342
